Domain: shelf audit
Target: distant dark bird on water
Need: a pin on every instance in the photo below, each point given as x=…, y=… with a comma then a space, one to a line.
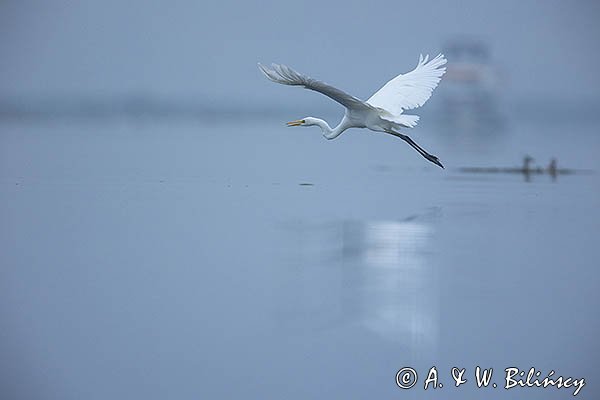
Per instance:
x=526, y=169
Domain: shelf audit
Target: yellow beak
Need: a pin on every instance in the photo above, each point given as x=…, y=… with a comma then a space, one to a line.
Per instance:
x=296, y=123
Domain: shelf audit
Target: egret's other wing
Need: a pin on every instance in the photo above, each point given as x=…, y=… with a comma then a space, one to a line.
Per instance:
x=287, y=76
x=412, y=89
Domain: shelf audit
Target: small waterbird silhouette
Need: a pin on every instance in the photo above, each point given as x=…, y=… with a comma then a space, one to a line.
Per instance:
x=526, y=169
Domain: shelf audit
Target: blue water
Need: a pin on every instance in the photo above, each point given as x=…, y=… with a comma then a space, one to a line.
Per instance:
x=179, y=258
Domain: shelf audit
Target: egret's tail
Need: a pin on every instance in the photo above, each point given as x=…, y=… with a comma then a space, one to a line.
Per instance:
x=406, y=121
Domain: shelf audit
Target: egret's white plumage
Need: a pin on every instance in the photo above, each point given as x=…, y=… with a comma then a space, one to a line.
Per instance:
x=410, y=90
x=382, y=112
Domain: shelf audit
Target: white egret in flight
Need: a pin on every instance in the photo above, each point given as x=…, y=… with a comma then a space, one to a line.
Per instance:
x=382, y=112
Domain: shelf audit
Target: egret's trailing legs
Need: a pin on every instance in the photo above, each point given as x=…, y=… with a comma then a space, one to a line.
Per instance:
x=418, y=148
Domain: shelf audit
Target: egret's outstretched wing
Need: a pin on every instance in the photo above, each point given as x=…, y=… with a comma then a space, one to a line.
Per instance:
x=412, y=89
x=287, y=76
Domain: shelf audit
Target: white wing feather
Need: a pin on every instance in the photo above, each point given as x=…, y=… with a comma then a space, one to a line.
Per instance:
x=287, y=76
x=410, y=90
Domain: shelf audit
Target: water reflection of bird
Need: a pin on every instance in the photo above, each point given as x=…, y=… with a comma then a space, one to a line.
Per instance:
x=382, y=112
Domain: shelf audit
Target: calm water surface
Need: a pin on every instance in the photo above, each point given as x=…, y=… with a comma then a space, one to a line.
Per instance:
x=185, y=259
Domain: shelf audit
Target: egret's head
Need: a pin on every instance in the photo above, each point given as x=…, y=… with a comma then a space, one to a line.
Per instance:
x=306, y=121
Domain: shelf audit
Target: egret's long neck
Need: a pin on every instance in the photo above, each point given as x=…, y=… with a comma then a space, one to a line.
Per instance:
x=328, y=132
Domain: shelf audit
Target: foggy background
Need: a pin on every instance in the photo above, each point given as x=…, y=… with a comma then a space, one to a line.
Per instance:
x=207, y=51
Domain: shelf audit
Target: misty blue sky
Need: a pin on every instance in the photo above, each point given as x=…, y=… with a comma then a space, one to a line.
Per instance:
x=209, y=49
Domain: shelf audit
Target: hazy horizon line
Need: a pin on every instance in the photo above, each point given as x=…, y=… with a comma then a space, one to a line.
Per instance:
x=138, y=104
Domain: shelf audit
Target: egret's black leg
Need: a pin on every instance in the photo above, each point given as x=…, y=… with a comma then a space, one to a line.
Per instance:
x=418, y=148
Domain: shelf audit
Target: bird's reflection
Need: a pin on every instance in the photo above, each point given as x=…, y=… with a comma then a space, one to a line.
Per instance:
x=379, y=274
x=397, y=282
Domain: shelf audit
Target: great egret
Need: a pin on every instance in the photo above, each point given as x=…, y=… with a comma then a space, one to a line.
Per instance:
x=382, y=112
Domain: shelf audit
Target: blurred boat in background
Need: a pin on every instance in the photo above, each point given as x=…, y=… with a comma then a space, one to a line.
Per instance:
x=471, y=80
x=470, y=99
